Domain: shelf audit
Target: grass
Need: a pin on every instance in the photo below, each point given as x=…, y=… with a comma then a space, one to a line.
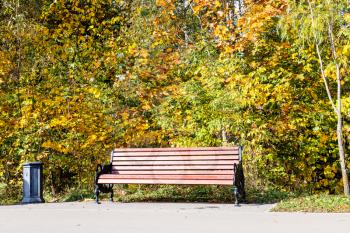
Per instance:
x=4, y=197
x=158, y=193
x=205, y=193
x=70, y=196
x=286, y=201
x=172, y=193
x=267, y=196
x=315, y=203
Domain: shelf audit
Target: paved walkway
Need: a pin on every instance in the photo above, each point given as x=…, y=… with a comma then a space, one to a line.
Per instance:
x=86, y=217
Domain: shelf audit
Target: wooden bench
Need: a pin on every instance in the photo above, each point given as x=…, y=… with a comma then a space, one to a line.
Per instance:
x=189, y=166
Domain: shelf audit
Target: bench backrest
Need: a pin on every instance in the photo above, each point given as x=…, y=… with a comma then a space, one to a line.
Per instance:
x=208, y=165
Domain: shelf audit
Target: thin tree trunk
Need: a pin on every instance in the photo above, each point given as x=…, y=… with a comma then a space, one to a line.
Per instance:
x=342, y=156
x=337, y=109
x=339, y=113
x=224, y=137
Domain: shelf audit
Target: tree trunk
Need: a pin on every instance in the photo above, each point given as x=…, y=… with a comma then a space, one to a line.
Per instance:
x=337, y=109
x=339, y=113
x=342, y=156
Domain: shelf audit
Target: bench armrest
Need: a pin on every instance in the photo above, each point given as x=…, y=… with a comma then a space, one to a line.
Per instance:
x=102, y=169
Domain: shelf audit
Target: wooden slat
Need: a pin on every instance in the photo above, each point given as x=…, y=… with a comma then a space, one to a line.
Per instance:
x=145, y=181
x=173, y=153
x=182, y=158
x=177, y=149
x=205, y=165
x=168, y=177
x=175, y=172
x=171, y=163
x=175, y=167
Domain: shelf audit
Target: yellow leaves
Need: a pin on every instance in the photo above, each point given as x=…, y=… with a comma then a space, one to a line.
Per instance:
x=144, y=53
x=221, y=31
x=221, y=70
x=228, y=49
x=295, y=56
x=330, y=171
x=5, y=64
x=48, y=144
x=146, y=106
x=330, y=71
x=346, y=50
x=163, y=3
x=307, y=68
x=301, y=165
x=257, y=20
x=91, y=14
x=347, y=17
x=125, y=116
x=97, y=64
x=254, y=64
x=169, y=50
x=2, y=123
x=91, y=140
x=56, y=146
x=324, y=139
x=324, y=182
x=94, y=91
x=58, y=122
x=196, y=9
x=132, y=49
x=206, y=5
x=168, y=5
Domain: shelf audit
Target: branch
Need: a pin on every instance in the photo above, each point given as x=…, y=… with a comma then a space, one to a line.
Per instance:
x=321, y=61
x=335, y=58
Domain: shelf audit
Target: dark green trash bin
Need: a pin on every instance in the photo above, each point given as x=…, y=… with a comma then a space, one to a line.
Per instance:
x=33, y=183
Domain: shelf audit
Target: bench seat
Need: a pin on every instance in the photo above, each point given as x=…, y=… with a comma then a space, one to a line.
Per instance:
x=189, y=166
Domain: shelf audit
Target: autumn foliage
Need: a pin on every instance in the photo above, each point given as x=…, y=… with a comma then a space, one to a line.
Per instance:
x=78, y=78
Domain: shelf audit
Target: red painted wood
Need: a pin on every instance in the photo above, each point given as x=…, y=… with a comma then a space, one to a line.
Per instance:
x=173, y=153
x=178, y=149
x=175, y=172
x=150, y=181
x=205, y=165
x=181, y=158
x=171, y=163
x=168, y=177
x=175, y=167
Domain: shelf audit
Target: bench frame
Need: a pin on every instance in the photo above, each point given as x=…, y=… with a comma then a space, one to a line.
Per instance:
x=238, y=190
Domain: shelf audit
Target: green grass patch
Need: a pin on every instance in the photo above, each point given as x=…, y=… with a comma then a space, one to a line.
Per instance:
x=205, y=193
x=155, y=193
x=5, y=198
x=315, y=203
x=267, y=195
x=173, y=193
x=70, y=195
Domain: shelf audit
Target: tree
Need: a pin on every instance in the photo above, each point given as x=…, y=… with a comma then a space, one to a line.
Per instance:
x=325, y=26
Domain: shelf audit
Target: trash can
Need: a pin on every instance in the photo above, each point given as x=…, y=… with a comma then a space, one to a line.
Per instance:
x=33, y=183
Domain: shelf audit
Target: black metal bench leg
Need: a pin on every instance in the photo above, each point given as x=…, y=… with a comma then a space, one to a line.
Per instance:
x=97, y=193
x=236, y=195
x=111, y=194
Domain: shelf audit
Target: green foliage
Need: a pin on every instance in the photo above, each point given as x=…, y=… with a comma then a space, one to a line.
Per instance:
x=174, y=193
x=7, y=197
x=315, y=203
x=267, y=195
x=68, y=195
x=78, y=78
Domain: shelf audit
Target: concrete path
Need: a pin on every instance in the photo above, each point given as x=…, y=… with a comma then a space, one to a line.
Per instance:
x=86, y=217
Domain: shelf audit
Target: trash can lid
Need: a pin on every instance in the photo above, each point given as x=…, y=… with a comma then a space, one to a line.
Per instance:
x=32, y=163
